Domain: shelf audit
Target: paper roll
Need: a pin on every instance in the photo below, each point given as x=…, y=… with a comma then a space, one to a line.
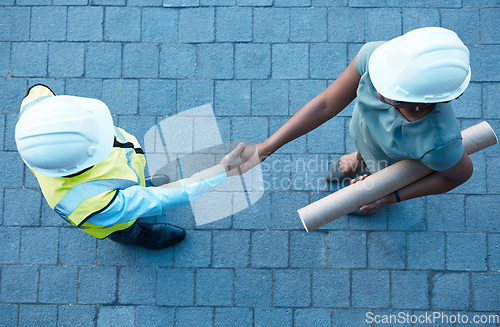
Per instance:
x=385, y=181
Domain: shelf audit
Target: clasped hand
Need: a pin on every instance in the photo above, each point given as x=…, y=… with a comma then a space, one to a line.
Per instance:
x=241, y=159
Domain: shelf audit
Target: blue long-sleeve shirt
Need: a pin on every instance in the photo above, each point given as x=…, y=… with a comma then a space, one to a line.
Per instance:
x=137, y=201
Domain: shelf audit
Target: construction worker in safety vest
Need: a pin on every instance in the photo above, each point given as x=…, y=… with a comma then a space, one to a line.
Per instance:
x=92, y=173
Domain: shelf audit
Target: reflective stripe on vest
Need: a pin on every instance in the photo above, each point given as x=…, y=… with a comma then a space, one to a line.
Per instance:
x=100, y=188
x=128, y=151
x=83, y=191
x=86, y=190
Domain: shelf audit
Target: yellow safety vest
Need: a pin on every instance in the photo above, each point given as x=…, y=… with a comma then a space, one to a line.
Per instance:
x=78, y=197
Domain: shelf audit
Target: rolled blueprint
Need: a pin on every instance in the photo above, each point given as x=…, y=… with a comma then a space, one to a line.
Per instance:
x=385, y=181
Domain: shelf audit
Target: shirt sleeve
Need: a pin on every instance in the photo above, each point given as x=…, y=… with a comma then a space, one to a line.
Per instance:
x=444, y=157
x=364, y=55
x=137, y=201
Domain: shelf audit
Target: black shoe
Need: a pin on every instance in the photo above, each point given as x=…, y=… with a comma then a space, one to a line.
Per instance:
x=159, y=236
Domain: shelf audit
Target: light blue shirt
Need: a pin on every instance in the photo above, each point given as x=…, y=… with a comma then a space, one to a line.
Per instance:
x=137, y=201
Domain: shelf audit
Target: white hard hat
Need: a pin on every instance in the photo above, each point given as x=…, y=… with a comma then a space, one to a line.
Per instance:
x=426, y=65
x=63, y=135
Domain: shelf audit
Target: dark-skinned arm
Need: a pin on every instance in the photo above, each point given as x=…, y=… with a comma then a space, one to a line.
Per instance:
x=436, y=183
x=316, y=112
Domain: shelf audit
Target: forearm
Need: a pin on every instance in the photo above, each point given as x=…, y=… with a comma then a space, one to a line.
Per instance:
x=438, y=182
x=317, y=111
x=207, y=178
x=137, y=201
x=309, y=117
x=435, y=183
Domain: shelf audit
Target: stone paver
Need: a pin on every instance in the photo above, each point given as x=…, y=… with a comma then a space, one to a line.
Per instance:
x=257, y=62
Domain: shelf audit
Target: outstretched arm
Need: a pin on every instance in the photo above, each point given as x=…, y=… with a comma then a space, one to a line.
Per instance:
x=316, y=112
x=137, y=201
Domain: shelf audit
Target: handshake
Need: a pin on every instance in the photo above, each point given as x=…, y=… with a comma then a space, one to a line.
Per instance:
x=243, y=158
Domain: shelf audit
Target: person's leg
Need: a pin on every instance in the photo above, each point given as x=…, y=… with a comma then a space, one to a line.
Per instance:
x=345, y=168
x=151, y=236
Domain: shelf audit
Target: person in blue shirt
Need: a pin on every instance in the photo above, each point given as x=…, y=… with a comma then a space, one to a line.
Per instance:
x=92, y=173
x=403, y=89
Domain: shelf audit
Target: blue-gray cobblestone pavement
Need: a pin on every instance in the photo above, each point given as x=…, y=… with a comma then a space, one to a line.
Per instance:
x=257, y=62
